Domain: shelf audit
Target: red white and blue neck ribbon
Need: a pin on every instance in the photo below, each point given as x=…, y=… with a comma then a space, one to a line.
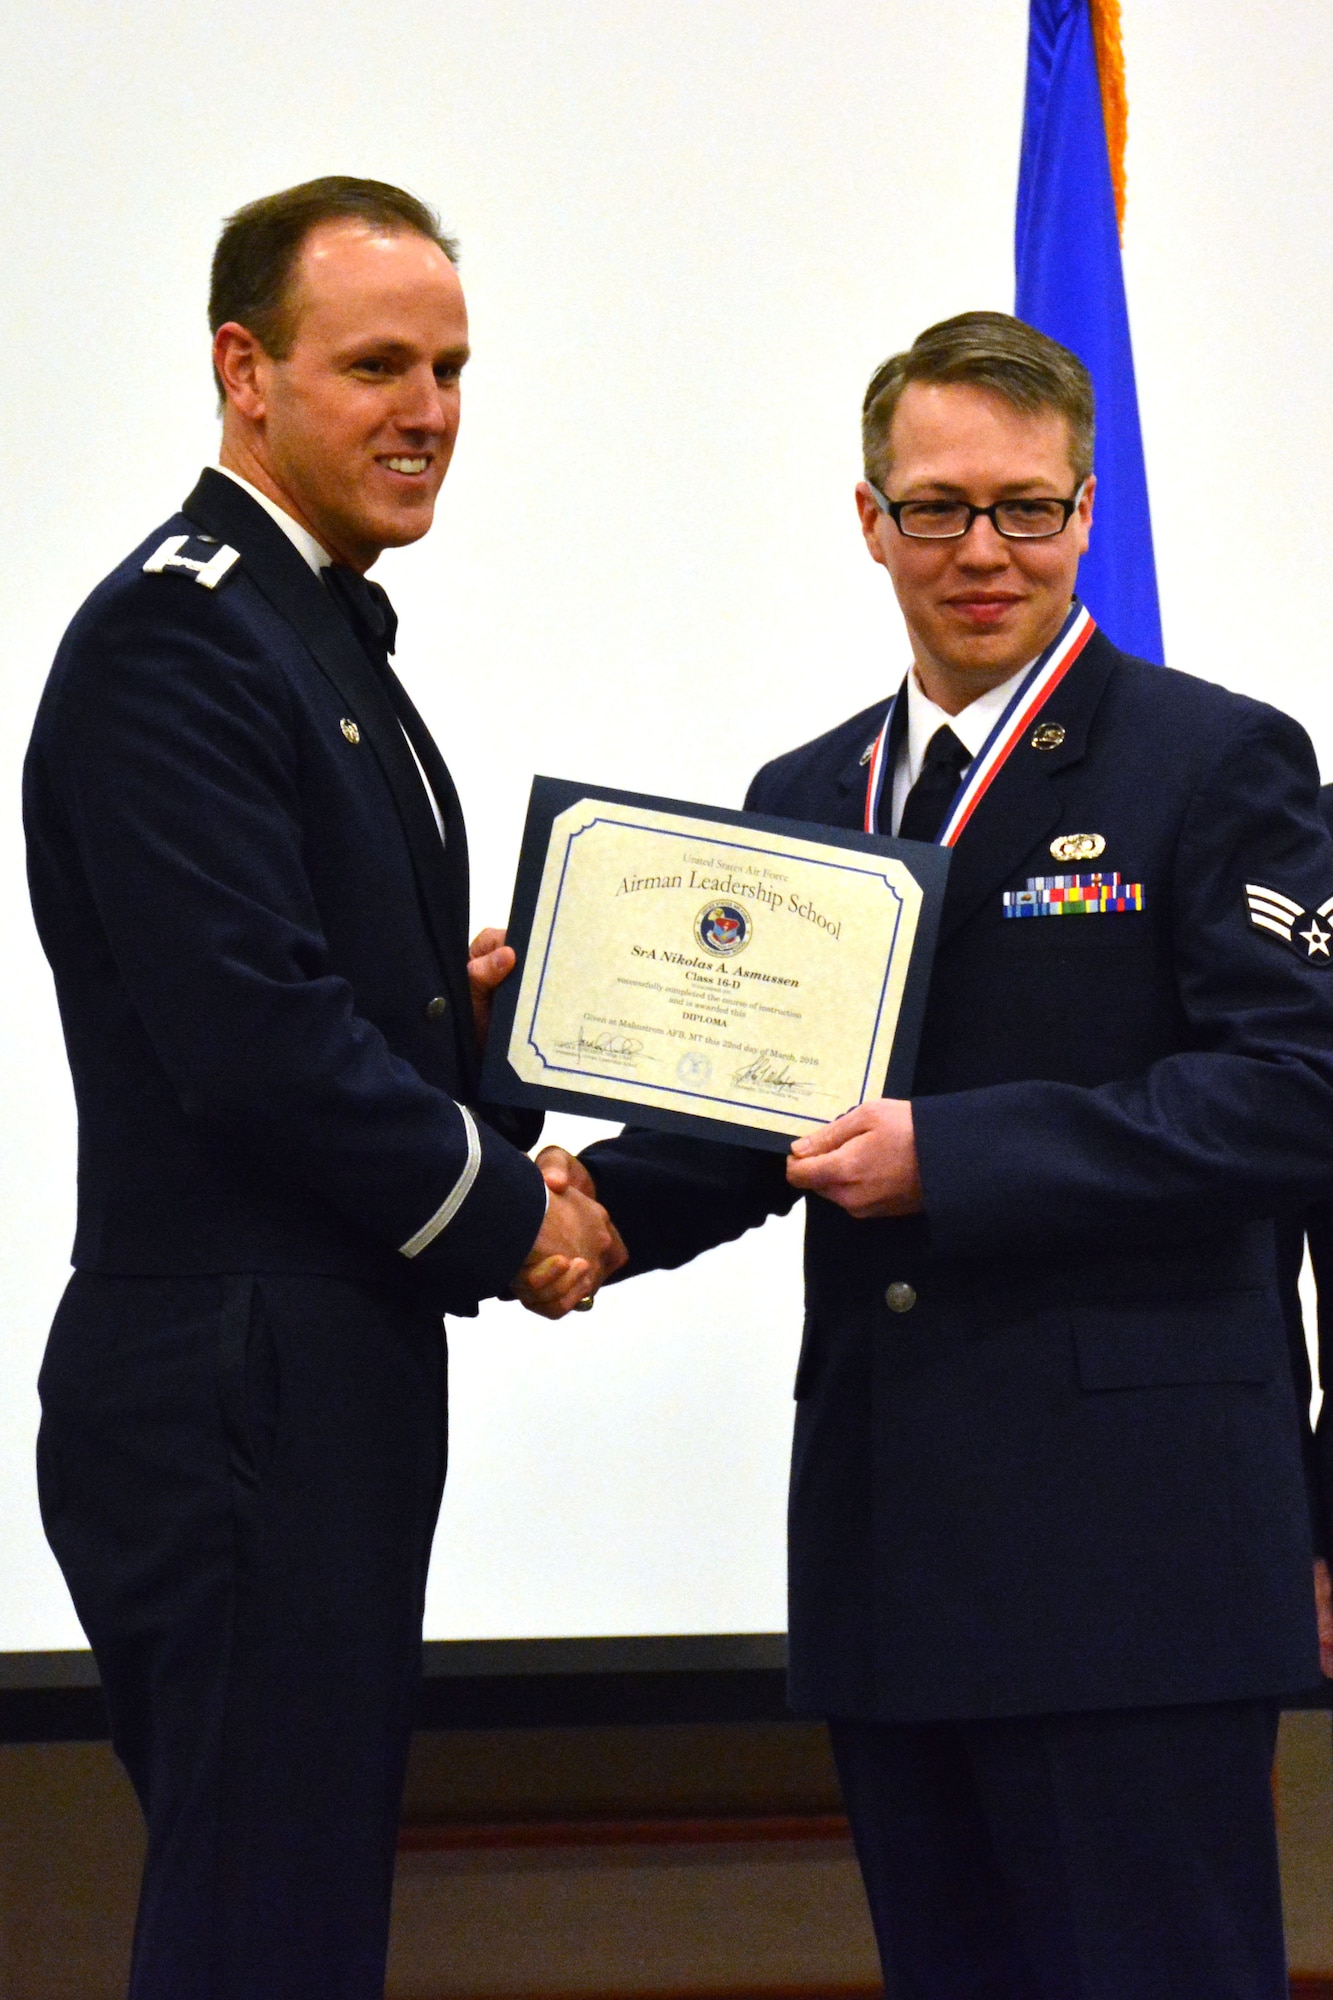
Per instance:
x=1029, y=698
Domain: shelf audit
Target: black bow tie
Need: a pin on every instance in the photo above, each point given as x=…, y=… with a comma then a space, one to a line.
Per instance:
x=365, y=605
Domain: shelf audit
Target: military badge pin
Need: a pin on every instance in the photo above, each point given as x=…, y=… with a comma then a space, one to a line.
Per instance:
x=350, y=730
x=1047, y=736
x=1308, y=932
x=1078, y=846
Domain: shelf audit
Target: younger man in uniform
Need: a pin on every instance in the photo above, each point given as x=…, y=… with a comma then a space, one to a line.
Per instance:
x=1050, y=1562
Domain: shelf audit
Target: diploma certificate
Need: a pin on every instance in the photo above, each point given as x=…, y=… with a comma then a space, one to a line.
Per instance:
x=727, y=972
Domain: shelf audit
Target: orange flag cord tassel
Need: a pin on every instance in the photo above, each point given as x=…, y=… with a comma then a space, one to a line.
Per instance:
x=1115, y=104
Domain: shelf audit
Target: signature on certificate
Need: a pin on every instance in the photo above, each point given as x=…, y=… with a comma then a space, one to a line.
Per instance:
x=607, y=1046
x=773, y=1073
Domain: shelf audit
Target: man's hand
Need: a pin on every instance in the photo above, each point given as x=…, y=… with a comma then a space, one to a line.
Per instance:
x=489, y=964
x=561, y=1170
x=865, y=1161
x=1323, y=1611
x=578, y=1247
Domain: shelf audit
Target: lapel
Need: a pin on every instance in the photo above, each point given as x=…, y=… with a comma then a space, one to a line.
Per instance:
x=282, y=575
x=1023, y=805
x=851, y=783
x=441, y=783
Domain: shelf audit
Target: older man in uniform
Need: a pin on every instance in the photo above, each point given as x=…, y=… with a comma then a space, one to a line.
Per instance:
x=1050, y=1556
x=249, y=872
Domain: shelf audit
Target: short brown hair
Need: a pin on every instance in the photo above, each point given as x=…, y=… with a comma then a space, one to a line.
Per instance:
x=992, y=351
x=259, y=247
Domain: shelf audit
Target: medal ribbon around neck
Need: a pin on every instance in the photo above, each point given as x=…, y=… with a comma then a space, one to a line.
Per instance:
x=1037, y=685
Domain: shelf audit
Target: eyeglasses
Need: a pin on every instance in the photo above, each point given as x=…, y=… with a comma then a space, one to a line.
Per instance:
x=1028, y=520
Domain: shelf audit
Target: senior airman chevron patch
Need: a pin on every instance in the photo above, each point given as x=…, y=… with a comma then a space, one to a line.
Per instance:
x=1271, y=911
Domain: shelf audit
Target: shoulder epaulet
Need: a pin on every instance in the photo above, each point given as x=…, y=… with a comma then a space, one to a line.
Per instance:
x=208, y=568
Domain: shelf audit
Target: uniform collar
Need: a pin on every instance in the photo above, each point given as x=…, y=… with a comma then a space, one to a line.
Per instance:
x=300, y=538
x=972, y=725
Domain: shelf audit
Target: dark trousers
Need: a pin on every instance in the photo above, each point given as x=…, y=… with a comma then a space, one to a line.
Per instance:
x=240, y=1478
x=1110, y=1856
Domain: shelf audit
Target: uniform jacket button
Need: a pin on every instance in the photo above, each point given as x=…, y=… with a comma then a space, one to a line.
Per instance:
x=437, y=1007
x=900, y=1297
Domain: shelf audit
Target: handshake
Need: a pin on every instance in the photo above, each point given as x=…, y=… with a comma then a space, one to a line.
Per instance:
x=578, y=1246
x=865, y=1162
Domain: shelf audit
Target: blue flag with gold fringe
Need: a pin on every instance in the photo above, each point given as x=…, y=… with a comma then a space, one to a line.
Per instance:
x=1070, y=285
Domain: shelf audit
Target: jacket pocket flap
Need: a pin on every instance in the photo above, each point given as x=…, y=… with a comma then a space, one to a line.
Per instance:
x=1237, y=1337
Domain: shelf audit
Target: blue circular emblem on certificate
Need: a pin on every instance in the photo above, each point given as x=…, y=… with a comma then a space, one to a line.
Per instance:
x=724, y=928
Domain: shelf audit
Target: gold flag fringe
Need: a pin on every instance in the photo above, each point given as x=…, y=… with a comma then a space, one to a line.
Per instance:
x=1115, y=103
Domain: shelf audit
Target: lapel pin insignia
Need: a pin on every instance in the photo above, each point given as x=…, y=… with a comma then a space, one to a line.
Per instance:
x=868, y=752
x=350, y=730
x=209, y=570
x=1078, y=846
x=1048, y=736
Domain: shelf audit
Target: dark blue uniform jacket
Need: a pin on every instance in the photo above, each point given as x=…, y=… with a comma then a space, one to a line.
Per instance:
x=1069, y=1475
x=1313, y=1229
x=259, y=940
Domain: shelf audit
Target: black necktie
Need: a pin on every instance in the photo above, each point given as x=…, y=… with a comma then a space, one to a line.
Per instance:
x=932, y=794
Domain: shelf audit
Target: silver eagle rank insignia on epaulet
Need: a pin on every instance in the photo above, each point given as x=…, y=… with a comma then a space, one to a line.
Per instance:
x=1271, y=911
x=208, y=569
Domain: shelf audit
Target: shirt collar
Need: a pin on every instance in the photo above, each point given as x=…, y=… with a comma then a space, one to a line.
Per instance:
x=301, y=538
x=972, y=725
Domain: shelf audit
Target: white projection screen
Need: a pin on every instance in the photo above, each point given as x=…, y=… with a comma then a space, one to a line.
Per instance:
x=689, y=232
